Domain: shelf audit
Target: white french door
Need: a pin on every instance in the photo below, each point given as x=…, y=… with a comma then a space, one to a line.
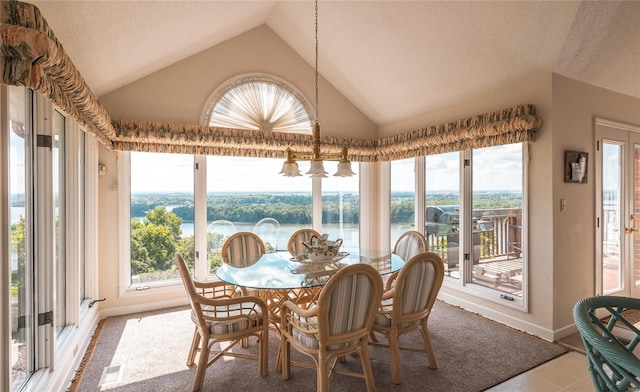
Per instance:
x=617, y=209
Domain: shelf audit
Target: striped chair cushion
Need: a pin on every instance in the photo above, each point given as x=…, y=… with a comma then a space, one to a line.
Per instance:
x=384, y=319
x=408, y=247
x=228, y=326
x=417, y=287
x=296, y=245
x=348, y=306
x=243, y=252
x=309, y=339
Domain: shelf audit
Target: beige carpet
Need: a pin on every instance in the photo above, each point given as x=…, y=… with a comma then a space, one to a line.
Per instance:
x=147, y=352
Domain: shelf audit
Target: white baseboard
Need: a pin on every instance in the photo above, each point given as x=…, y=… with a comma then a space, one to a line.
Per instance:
x=143, y=307
x=500, y=317
x=69, y=358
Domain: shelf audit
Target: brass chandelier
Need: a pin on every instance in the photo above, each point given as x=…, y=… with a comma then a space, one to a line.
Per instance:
x=290, y=166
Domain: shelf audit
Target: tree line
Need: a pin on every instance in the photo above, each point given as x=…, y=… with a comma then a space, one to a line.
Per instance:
x=297, y=208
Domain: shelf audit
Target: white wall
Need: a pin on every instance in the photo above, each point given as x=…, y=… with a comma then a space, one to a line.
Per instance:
x=575, y=106
x=178, y=93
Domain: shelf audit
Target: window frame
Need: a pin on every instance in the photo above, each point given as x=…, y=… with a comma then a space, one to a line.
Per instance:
x=54, y=354
x=464, y=284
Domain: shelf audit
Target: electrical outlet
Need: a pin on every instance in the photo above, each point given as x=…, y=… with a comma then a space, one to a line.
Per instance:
x=563, y=204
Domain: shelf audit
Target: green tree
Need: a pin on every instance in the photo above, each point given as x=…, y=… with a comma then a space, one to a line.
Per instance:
x=18, y=242
x=154, y=241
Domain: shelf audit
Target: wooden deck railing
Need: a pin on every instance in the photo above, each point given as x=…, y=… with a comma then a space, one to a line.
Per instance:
x=497, y=233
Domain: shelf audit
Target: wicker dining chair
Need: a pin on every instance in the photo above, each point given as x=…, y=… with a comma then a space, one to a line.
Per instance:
x=406, y=305
x=242, y=249
x=227, y=319
x=409, y=244
x=294, y=246
x=609, y=339
x=336, y=326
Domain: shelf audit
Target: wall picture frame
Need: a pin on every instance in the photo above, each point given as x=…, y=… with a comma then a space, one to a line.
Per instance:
x=576, y=165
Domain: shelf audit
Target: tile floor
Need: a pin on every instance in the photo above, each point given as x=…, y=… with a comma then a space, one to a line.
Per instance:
x=567, y=372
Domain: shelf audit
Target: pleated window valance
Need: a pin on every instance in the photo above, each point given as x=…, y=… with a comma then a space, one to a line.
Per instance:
x=31, y=56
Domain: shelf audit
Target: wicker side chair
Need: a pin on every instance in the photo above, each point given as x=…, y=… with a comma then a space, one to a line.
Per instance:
x=406, y=306
x=409, y=244
x=612, y=364
x=337, y=326
x=225, y=319
x=294, y=246
x=242, y=249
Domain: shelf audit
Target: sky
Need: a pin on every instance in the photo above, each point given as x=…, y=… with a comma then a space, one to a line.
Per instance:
x=495, y=168
x=153, y=172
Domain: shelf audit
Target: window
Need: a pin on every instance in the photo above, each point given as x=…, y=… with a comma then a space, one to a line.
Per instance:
x=263, y=202
x=259, y=102
x=47, y=243
x=21, y=355
x=492, y=259
x=59, y=221
x=341, y=206
x=161, y=215
x=442, y=209
x=403, y=198
x=498, y=218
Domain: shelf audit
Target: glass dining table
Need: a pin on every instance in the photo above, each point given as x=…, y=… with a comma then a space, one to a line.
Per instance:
x=279, y=276
x=281, y=271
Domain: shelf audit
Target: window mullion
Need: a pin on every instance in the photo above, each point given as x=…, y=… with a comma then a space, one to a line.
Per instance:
x=44, y=229
x=200, y=216
x=466, y=220
x=124, y=185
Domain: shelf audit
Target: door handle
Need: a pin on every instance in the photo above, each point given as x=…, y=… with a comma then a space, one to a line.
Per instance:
x=633, y=229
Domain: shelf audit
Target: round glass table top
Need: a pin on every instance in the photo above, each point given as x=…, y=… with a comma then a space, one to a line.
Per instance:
x=280, y=270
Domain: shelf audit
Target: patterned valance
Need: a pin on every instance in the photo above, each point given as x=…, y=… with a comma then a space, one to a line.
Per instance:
x=192, y=139
x=31, y=56
x=512, y=125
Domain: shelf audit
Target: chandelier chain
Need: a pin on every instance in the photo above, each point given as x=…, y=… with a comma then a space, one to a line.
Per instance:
x=317, y=104
x=316, y=157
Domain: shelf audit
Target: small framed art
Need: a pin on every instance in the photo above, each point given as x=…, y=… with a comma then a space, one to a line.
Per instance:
x=576, y=164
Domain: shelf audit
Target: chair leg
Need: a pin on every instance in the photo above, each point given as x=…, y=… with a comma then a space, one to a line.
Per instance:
x=194, y=347
x=394, y=348
x=202, y=365
x=427, y=344
x=366, y=368
x=322, y=374
x=264, y=352
x=283, y=357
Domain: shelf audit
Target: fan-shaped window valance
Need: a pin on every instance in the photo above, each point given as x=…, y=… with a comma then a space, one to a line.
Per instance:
x=259, y=102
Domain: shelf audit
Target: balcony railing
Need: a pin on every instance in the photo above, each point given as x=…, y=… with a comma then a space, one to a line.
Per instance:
x=497, y=234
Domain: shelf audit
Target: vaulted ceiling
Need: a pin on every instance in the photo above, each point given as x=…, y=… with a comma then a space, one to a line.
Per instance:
x=391, y=59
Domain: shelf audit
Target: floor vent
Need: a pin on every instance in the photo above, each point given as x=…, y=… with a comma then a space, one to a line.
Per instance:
x=111, y=374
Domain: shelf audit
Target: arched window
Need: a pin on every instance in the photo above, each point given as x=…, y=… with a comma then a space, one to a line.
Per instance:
x=259, y=102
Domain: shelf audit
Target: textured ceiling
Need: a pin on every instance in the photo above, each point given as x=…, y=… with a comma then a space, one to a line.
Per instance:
x=392, y=59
